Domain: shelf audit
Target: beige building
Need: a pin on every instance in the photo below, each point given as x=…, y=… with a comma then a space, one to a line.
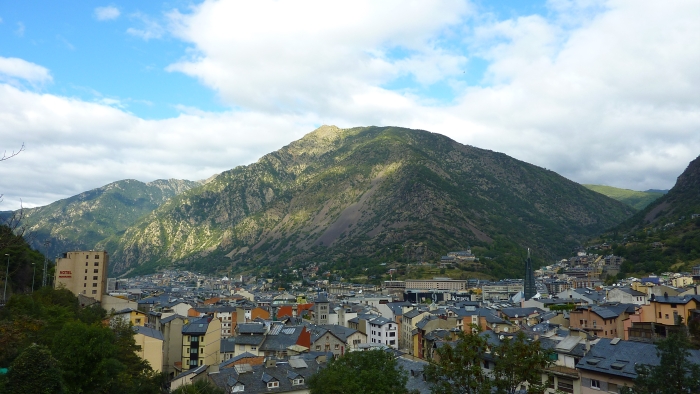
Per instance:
x=150, y=342
x=83, y=272
x=201, y=343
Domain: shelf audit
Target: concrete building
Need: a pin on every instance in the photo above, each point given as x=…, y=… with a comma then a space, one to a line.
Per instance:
x=201, y=343
x=83, y=272
x=150, y=342
x=436, y=284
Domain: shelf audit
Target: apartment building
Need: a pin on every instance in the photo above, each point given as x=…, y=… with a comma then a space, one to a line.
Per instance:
x=201, y=342
x=83, y=272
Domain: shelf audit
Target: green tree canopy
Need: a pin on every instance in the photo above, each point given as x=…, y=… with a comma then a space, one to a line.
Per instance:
x=368, y=372
x=457, y=367
x=35, y=371
x=675, y=374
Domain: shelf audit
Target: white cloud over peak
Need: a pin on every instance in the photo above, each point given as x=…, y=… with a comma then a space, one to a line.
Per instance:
x=107, y=13
x=12, y=68
x=314, y=55
x=598, y=91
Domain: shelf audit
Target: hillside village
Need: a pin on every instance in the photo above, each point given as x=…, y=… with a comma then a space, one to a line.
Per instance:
x=244, y=335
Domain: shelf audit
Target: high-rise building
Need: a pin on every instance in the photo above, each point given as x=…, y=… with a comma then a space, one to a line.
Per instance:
x=83, y=272
x=529, y=288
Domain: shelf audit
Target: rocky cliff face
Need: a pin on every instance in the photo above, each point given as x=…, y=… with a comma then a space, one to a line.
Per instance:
x=348, y=193
x=82, y=221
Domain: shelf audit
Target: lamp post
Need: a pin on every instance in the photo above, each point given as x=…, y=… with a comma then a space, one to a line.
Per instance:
x=7, y=273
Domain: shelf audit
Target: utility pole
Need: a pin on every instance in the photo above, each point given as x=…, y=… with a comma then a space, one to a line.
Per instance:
x=7, y=274
x=46, y=262
x=33, y=275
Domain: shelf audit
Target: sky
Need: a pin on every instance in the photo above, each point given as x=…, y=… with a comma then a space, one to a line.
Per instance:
x=602, y=92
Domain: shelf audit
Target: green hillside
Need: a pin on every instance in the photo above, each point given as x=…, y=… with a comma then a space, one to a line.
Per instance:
x=82, y=221
x=354, y=198
x=635, y=199
x=666, y=234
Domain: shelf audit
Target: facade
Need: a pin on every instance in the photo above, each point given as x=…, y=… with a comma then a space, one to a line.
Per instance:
x=383, y=331
x=151, y=343
x=83, y=272
x=201, y=343
x=171, y=327
x=436, y=284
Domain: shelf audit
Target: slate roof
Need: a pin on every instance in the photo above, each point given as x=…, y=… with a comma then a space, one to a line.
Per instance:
x=149, y=332
x=416, y=381
x=412, y=313
x=228, y=345
x=339, y=331
x=281, y=339
x=255, y=381
x=623, y=355
x=254, y=340
x=521, y=312
x=380, y=321
x=171, y=318
x=250, y=328
x=198, y=326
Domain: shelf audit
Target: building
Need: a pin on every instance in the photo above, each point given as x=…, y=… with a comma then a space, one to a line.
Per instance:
x=83, y=272
x=436, y=284
x=529, y=285
x=201, y=343
x=150, y=344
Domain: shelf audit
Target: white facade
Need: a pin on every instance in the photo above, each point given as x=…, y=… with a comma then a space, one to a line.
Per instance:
x=383, y=331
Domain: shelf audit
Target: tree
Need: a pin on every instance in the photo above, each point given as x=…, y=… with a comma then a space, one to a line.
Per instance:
x=368, y=372
x=35, y=371
x=519, y=361
x=675, y=374
x=199, y=387
x=457, y=368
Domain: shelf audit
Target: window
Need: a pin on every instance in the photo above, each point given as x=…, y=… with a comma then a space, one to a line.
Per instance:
x=666, y=316
x=193, y=350
x=659, y=315
x=297, y=381
x=86, y=263
x=94, y=278
x=595, y=384
x=565, y=385
x=85, y=284
x=86, y=273
x=97, y=270
x=238, y=388
x=486, y=365
x=94, y=285
x=194, y=339
x=86, y=278
x=254, y=348
x=97, y=263
x=392, y=334
x=337, y=346
x=318, y=347
x=272, y=385
x=94, y=292
x=138, y=321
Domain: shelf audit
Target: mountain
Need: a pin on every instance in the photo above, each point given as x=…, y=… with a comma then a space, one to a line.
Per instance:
x=635, y=199
x=357, y=197
x=665, y=235
x=82, y=221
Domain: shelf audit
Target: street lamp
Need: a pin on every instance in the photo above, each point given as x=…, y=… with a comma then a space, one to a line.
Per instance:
x=7, y=274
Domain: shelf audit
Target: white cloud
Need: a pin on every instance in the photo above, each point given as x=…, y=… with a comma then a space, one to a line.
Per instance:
x=601, y=92
x=15, y=68
x=314, y=55
x=73, y=146
x=19, y=31
x=149, y=28
x=107, y=13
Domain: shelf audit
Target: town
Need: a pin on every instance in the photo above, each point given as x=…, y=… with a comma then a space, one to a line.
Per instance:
x=244, y=334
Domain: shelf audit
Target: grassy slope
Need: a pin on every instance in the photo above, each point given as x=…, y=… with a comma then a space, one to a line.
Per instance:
x=635, y=199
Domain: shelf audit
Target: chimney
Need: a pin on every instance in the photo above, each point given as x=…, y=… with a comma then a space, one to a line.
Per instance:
x=214, y=368
x=270, y=363
x=588, y=346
